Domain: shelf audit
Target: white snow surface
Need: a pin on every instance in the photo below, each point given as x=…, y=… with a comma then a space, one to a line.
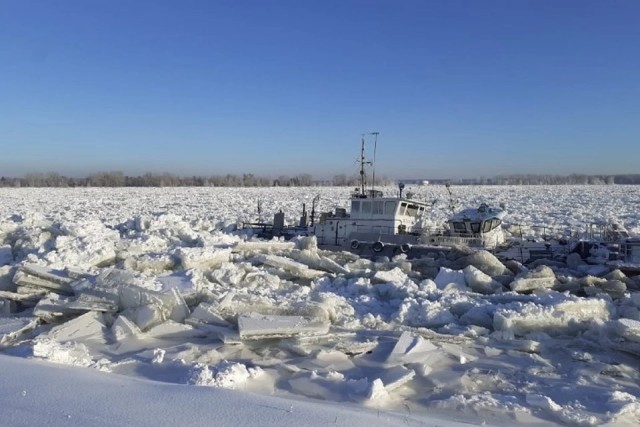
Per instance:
x=160, y=289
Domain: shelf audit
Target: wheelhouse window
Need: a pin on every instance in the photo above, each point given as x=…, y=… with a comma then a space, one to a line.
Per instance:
x=366, y=207
x=495, y=223
x=403, y=206
x=475, y=227
x=486, y=226
x=389, y=207
x=412, y=210
x=459, y=227
x=355, y=206
x=377, y=207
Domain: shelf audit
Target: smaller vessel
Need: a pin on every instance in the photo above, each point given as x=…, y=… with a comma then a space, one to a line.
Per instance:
x=475, y=227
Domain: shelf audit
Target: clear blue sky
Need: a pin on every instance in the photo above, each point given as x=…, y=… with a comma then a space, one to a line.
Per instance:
x=455, y=88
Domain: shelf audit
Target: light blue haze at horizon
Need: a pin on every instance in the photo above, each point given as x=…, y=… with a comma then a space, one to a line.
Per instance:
x=206, y=87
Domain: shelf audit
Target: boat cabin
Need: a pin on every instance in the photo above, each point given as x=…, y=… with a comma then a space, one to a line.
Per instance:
x=392, y=209
x=370, y=219
x=475, y=222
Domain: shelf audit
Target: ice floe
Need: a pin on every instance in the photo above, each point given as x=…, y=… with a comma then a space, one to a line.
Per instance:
x=156, y=289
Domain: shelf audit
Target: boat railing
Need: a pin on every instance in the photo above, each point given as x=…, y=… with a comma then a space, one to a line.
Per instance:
x=432, y=230
x=453, y=240
x=375, y=229
x=595, y=232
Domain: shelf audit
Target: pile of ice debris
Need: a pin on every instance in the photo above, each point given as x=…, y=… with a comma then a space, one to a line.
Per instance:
x=195, y=303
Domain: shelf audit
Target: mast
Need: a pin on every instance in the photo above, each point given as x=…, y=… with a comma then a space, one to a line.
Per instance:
x=362, y=163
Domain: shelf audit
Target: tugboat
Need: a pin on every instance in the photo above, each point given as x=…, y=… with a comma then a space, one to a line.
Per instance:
x=374, y=222
x=376, y=225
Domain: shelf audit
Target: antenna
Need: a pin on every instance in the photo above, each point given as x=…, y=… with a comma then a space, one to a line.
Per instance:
x=452, y=204
x=362, y=174
x=375, y=146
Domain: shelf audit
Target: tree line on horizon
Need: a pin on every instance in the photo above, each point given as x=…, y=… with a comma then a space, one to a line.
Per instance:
x=119, y=179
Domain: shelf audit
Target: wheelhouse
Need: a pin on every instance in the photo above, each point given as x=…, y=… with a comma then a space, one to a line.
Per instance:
x=474, y=222
x=386, y=208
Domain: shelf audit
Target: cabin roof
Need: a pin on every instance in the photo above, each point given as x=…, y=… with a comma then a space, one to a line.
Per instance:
x=481, y=213
x=394, y=199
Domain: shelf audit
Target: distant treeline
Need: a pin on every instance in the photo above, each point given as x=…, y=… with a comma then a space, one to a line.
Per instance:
x=574, y=179
x=119, y=179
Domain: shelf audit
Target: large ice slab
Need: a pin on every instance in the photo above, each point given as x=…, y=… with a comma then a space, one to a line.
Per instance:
x=88, y=327
x=207, y=313
x=318, y=262
x=485, y=262
x=54, y=306
x=289, y=265
x=450, y=279
x=540, y=278
x=628, y=329
x=38, y=276
x=564, y=315
x=202, y=258
x=259, y=326
x=251, y=246
x=481, y=282
x=12, y=328
x=123, y=328
x=28, y=299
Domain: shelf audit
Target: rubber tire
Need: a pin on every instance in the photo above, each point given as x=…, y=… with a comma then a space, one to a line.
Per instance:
x=405, y=247
x=355, y=244
x=377, y=247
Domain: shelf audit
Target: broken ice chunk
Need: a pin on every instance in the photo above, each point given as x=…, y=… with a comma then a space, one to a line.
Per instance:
x=181, y=282
x=206, y=313
x=319, y=262
x=12, y=328
x=263, y=246
x=202, y=258
x=38, y=276
x=410, y=349
x=450, y=279
x=150, y=307
x=293, y=267
x=564, y=315
x=628, y=329
x=27, y=296
x=89, y=326
x=481, y=282
x=540, y=278
x=123, y=328
x=389, y=380
x=174, y=330
x=54, y=306
x=259, y=326
x=146, y=316
x=68, y=353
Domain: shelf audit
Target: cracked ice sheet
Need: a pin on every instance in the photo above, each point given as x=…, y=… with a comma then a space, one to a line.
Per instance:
x=564, y=370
